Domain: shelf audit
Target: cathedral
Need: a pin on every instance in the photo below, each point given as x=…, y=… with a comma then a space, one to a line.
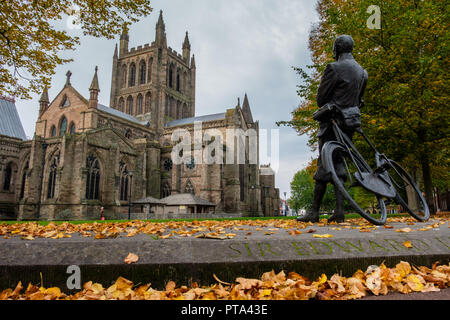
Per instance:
x=86, y=157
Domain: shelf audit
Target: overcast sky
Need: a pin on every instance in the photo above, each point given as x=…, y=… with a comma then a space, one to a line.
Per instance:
x=240, y=47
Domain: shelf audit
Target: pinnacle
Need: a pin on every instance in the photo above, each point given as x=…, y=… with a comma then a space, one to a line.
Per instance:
x=94, y=84
x=44, y=97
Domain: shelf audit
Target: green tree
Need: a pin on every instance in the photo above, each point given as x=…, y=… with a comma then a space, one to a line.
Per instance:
x=302, y=192
x=406, y=113
x=31, y=43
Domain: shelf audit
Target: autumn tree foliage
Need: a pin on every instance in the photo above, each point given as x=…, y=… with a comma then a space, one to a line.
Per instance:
x=406, y=111
x=34, y=34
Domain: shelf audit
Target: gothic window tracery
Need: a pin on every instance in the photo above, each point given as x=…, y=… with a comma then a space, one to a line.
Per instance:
x=130, y=105
x=166, y=191
x=140, y=102
x=189, y=188
x=124, y=187
x=93, y=178
x=132, y=76
x=142, y=73
x=52, y=177
x=63, y=126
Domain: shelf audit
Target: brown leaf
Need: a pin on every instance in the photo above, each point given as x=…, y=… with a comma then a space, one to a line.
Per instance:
x=220, y=281
x=131, y=258
x=170, y=286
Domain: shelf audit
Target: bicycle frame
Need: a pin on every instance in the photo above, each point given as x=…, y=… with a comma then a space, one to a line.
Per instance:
x=388, y=190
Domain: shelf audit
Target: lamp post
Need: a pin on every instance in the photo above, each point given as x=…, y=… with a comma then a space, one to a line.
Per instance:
x=285, y=203
x=253, y=200
x=130, y=174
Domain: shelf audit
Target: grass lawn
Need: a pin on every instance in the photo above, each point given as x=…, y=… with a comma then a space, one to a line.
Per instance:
x=325, y=216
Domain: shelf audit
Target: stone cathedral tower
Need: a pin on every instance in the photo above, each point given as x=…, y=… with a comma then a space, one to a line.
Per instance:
x=153, y=82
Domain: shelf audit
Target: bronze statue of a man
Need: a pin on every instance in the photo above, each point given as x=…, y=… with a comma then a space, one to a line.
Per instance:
x=342, y=84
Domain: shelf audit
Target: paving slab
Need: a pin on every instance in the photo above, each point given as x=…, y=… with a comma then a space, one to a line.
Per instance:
x=250, y=253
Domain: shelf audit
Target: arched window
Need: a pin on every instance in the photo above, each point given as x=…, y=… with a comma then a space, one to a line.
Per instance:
x=130, y=105
x=53, y=131
x=142, y=72
x=148, y=102
x=124, y=188
x=121, y=105
x=184, y=86
x=150, y=65
x=179, y=110
x=8, y=175
x=52, y=177
x=140, y=103
x=185, y=111
x=166, y=109
x=189, y=188
x=93, y=178
x=178, y=80
x=123, y=80
x=24, y=180
x=166, y=191
x=132, y=76
x=72, y=128
x=63, y=126
x=171, y=76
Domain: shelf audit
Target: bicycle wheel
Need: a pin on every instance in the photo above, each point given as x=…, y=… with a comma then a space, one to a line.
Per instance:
x=409, y=196
x=343, y=165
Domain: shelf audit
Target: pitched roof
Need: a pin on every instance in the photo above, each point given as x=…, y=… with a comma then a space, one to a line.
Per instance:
x=10, y=124
x=148, y=200
x=209, y=117
x=122, y=115
x=187, y=199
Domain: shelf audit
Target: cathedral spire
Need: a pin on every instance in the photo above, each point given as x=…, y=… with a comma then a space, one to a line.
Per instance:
x=246, y=110
x=193, y=61
x=124, y=39
x=94, y=90
x=43, y=101
x=160, y=38
x=186, y=48
x=115, y=52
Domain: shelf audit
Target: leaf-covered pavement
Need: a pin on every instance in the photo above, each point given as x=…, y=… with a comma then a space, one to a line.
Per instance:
x=213, y=229
x=376, y=280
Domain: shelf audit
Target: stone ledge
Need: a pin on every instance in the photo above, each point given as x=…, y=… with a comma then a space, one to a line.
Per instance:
x=184, y=260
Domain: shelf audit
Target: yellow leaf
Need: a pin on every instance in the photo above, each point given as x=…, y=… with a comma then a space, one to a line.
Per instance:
x=408, y=244
x=56, y=292
x=266, y=292
x=323, y=278
x=415, y=283
x=323, y=236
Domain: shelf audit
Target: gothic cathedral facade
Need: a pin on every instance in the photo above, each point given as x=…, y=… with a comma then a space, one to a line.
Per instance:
x=85, y=156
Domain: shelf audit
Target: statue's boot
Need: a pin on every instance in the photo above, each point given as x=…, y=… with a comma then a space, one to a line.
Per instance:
x=338, y=215
x=313, y=215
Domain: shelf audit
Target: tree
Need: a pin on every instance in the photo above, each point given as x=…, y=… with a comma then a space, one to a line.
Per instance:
x=31, y=44
x=406, y=110
x=302, y=191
